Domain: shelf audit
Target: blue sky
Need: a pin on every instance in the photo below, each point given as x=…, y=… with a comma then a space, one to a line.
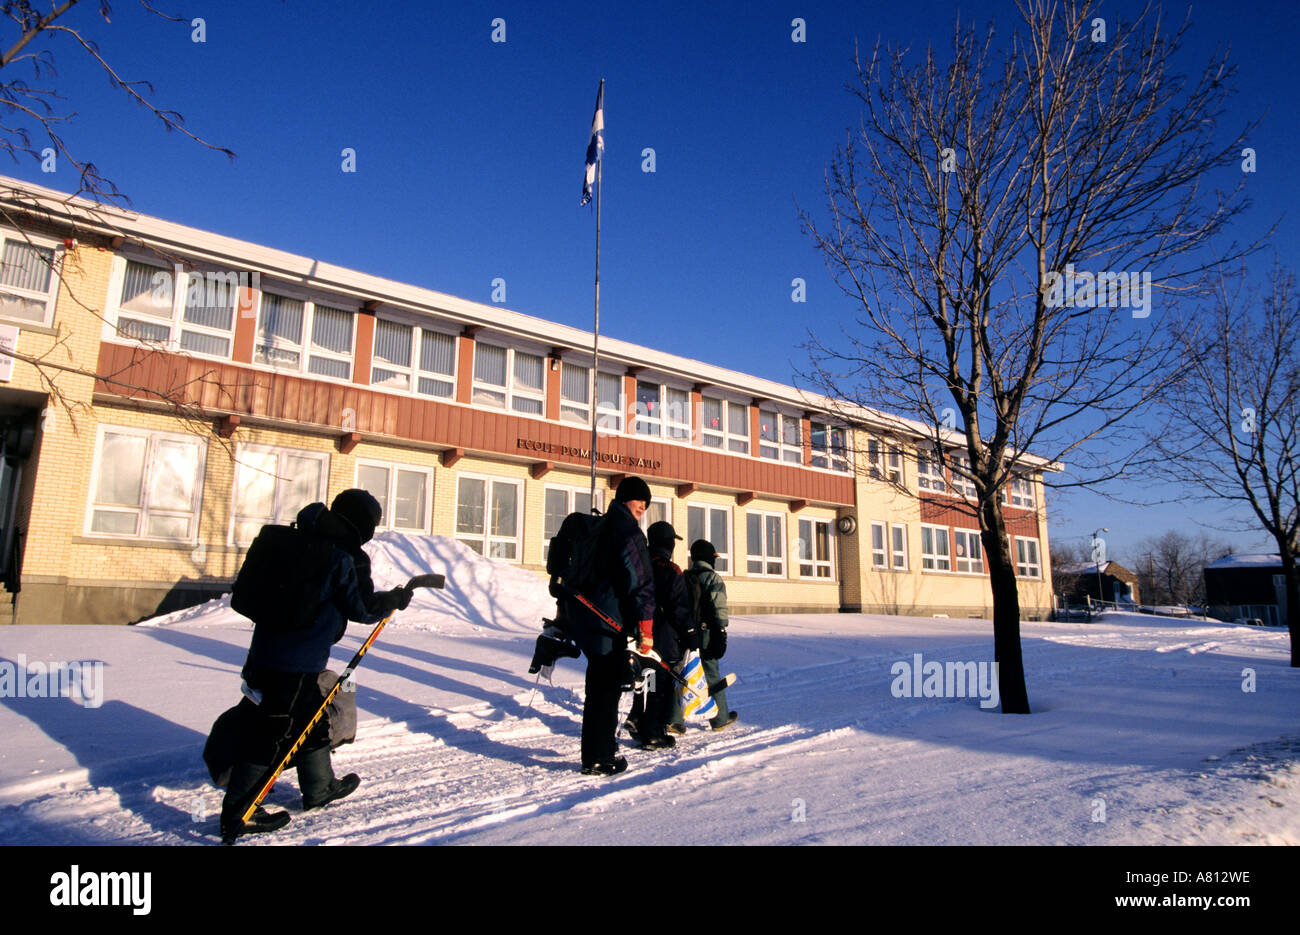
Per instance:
x=469, y=154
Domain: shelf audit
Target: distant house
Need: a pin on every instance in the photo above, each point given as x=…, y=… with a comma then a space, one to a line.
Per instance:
x=1249, y=586
x=1114, y=583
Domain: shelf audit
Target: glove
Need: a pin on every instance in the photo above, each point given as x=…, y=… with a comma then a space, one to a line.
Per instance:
x=717, y=644
x=645, y=636
x=394, y=600
x=692, y=639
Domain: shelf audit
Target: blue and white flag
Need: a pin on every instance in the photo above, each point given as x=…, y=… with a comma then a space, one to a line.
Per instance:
x=596, y=146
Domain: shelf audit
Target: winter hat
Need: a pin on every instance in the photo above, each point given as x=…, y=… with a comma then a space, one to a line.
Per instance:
x=632, y=488
x=360, y=509
x=702, y=550
x=661, y=535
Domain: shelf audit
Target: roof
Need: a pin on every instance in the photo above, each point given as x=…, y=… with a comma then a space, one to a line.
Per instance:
x=1256, y=560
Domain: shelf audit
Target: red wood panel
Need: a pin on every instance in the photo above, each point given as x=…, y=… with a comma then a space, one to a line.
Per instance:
x=365, y=348
x=464, y=368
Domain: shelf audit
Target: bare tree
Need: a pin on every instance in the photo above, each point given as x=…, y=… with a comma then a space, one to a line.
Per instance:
x=33, y=114
x=1171, y=567
x=959, y=213
x=1234, y=426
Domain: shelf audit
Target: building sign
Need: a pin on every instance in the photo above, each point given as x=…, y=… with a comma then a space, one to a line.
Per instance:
x=621, y=459
x=8, y=344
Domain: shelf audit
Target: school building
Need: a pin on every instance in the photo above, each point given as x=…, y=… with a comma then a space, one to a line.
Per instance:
x=173, y=390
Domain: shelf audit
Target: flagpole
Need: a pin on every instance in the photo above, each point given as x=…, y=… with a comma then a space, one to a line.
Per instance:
x=595, y=330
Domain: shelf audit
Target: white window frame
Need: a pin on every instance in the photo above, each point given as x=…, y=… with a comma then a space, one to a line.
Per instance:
x=762, y=557
x=672, y=421
x=898, y=534
x=646, y=519
x=778, y=449
x=807, y=542
x=488, y=538
x=512, y=394
x=51, y=293
x=411, y=375
x=388, y=520
x=576, y=411
x=570, y=493
x=282, y=512
x=934, y=558
x=879, y=555
x=172, y=315
x=1027, y=567
x=1021, y=490
x=970, y=541
x=832, y=458
x=723, y=438
x=144, y=511
x=306, y=348
x=962, y=486
x=722, y=564
x=929, y=472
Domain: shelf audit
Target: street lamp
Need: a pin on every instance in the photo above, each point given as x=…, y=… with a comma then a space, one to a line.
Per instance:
x=1096, y=559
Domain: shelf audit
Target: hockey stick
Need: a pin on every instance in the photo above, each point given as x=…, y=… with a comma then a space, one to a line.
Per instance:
x=653, y=657
x=419, y=581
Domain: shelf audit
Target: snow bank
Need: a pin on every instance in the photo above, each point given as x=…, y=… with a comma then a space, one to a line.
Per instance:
x=482, y=594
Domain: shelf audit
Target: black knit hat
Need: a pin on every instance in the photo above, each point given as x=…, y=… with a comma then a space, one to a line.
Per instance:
x=361, y=510
x=662, y=535
x=632, y=488
x=702, y=550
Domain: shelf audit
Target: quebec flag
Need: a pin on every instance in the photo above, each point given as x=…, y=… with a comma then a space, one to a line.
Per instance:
x=596, y=146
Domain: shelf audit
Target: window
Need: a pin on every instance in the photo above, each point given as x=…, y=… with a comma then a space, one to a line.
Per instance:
x=929, y=472
x=677, y=414
x=1022, y=491
x=961, y=484
x=724, y=425
x=396, y=348
x=192, y=312
x=895, y=469
x=898, y=547
x=968, y=551
x=1027, y=558
x=648, y=411
x=279, y=332
x=575, y=396
x=147, y=485
x=559, y=503
x=330, y=353
x=657, y=511
x=505, y=378
x=766, y=544
x=487, y=516
x=779, y=437
x=934, y=548
x=879, y=558
x=828, y=446
x=815, y=548
x=609, y=404
x=27, y=281
x=272, y=485
x=714, y=524
x=403, y=492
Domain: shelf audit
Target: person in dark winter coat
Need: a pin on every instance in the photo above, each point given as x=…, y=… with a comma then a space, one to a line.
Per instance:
x=674, y=633
x=622, y=590
x=283, y=666
x=713, y=630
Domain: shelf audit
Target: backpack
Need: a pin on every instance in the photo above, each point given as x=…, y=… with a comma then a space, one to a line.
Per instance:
x=282, y=580
x=693, y=590
x=574, y=552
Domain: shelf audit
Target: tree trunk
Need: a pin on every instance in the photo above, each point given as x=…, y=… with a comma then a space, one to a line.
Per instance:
x=1292, y=576
x=1006, y=611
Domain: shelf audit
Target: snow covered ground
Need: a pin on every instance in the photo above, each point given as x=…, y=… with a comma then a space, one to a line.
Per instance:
x=1145, y=731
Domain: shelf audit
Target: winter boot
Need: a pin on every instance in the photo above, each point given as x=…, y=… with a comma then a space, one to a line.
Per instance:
x=609, y=768
x=731, y=719
x=317, y=782
x=244, y=778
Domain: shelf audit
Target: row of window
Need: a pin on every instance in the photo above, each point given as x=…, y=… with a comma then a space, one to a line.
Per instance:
x=945, y=549
x=299, y=334
x=148, y=485
x=885, y=462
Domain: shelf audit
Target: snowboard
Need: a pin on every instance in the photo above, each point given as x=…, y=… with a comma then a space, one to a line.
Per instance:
x=694, y=695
